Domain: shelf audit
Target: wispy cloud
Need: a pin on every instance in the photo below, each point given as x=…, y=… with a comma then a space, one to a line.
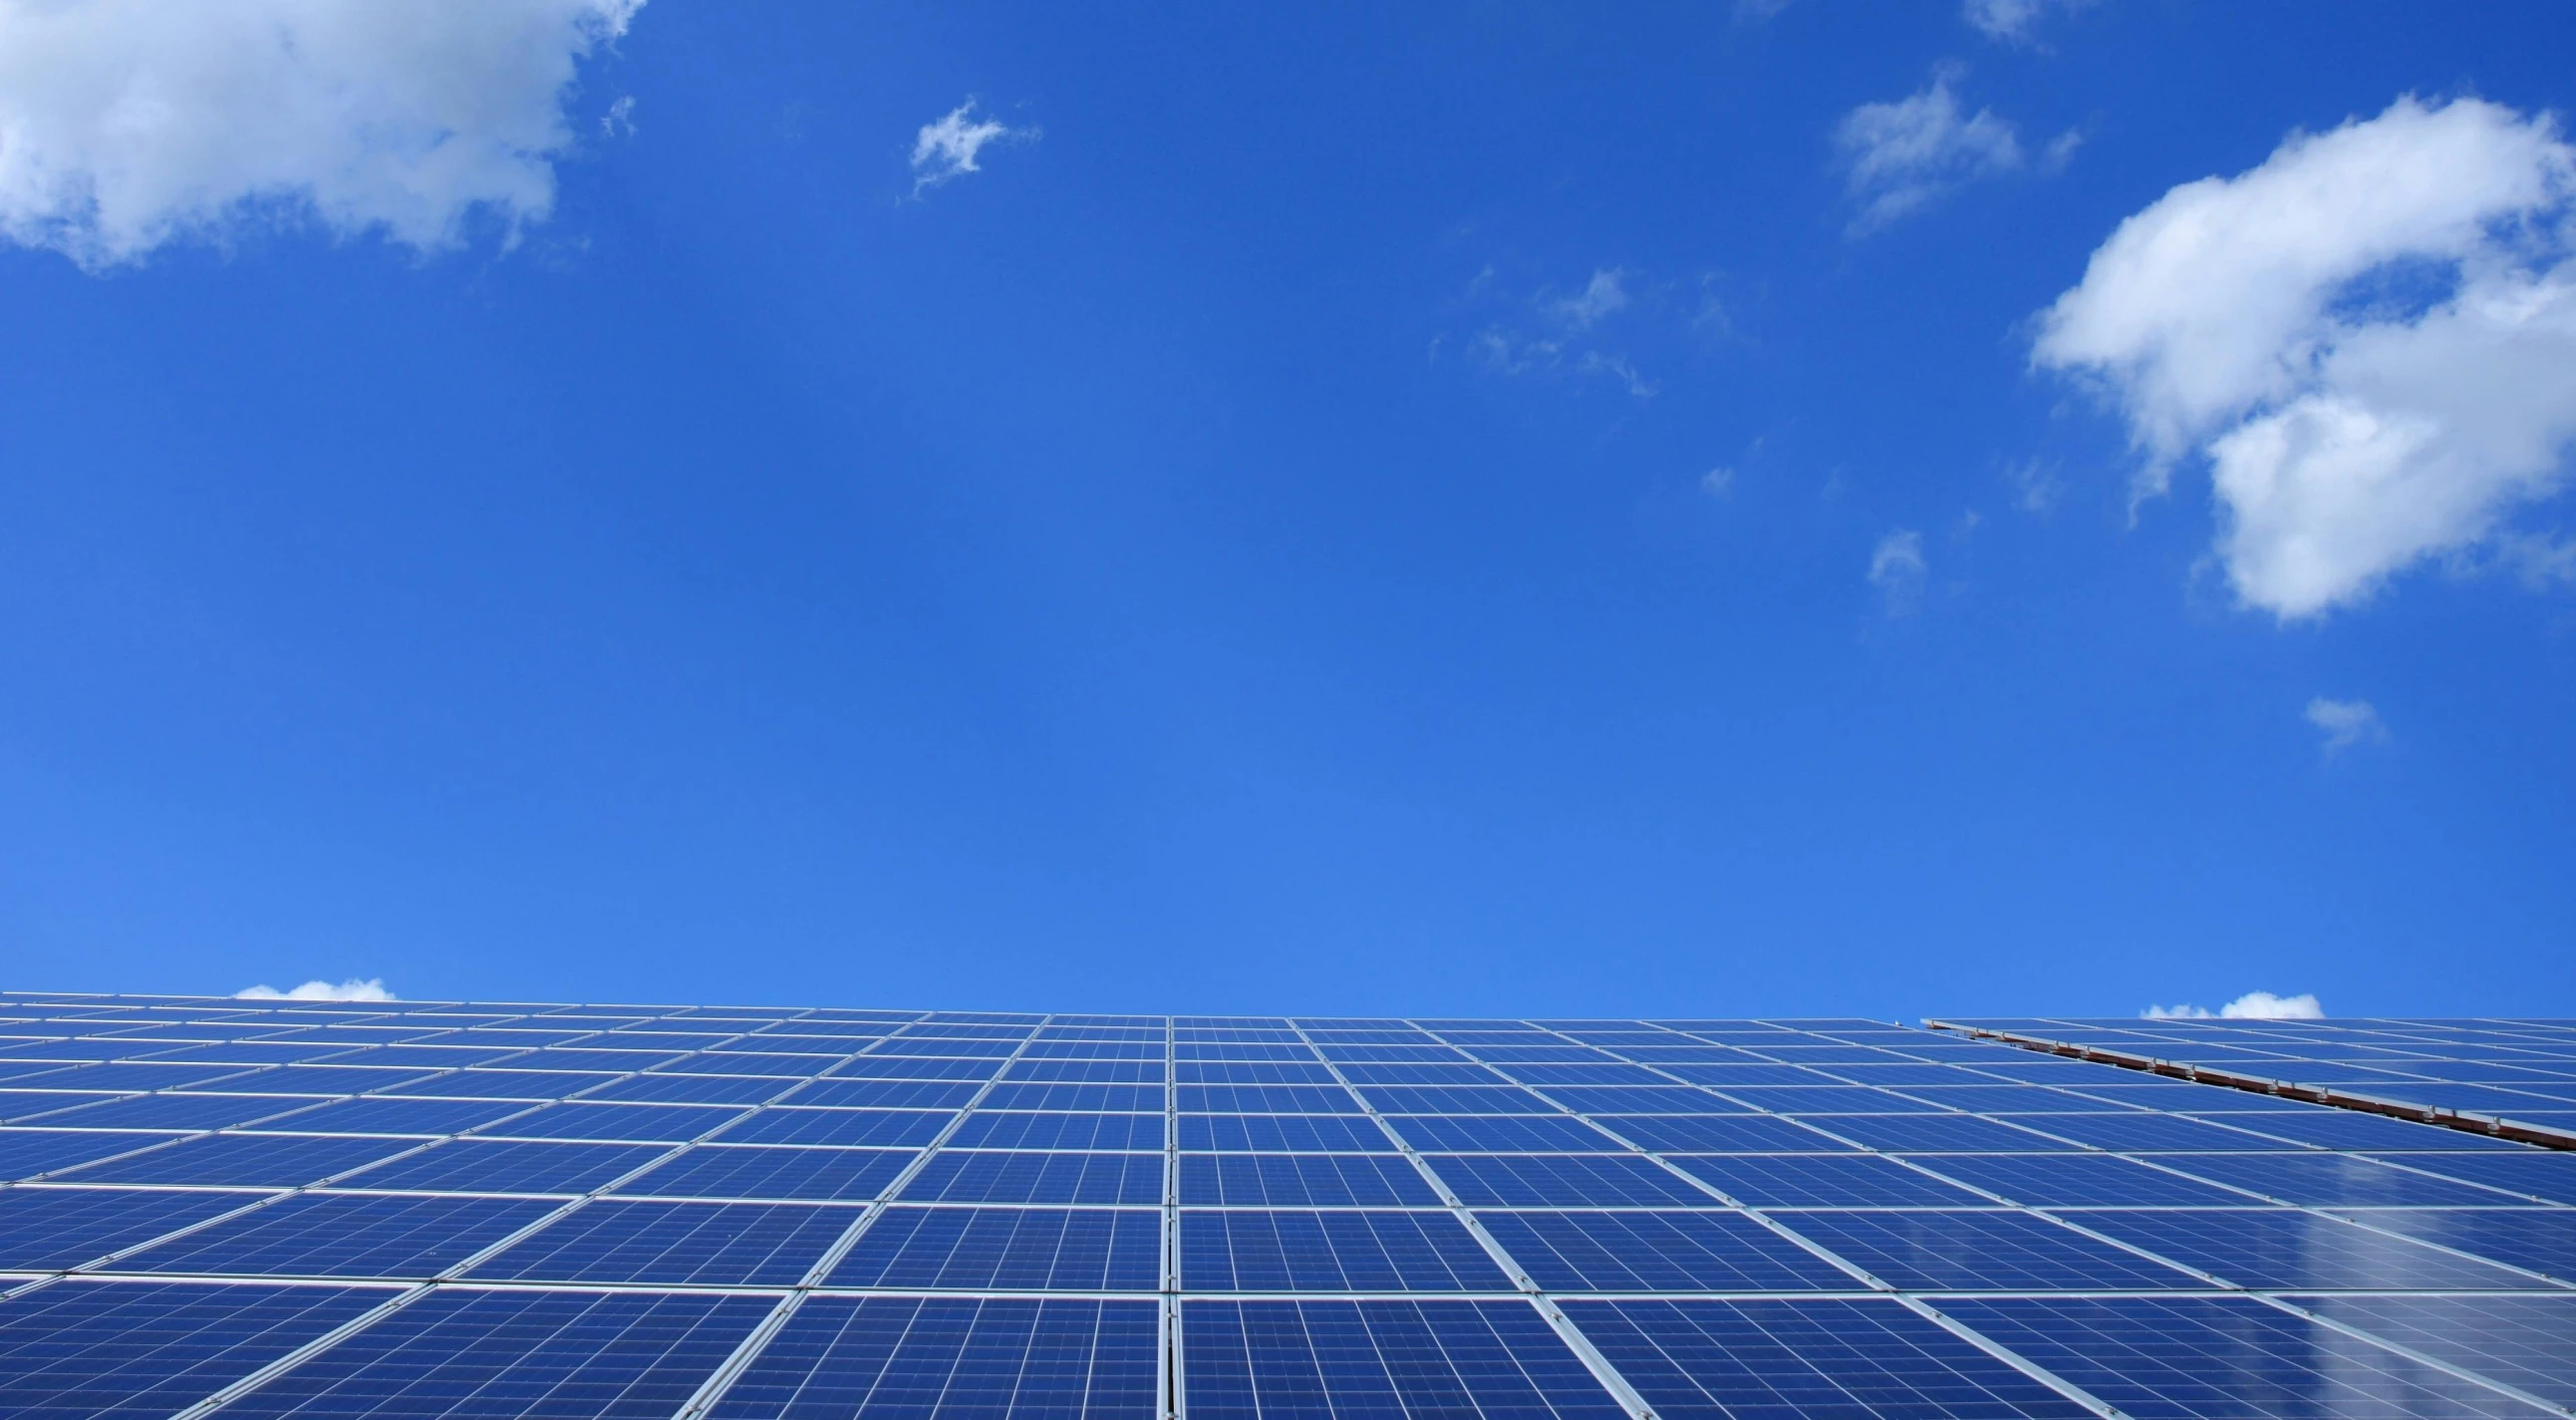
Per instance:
x=946, y=148
x=1563, y=333
x=1902, y=156
x=2252, y=1006
x=2347, y=723
x=1605, y=295
x=371, y=989
x=1897, y=569
x=2013, y=20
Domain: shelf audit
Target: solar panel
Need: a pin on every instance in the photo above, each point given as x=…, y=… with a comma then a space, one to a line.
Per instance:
x=396, y=1209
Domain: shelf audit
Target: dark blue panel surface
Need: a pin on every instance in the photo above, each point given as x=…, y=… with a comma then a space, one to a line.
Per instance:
x=1720, y=1134
x=885, y=1094
x=1563, y=1180
x=2078, y=1180
x=2285, y=1247
x=617, y=1123
x=1304, y=1180
x=773, y=1171
x=1756, y=1360
x=467, y=1355
x=998, y=1177
x=426, y=1118
x=1009, y=1249
x=2550, y=1176
x=1502, y=1133
x=497, y=1166
x=27, y=1153
x=343, y=1235
x=1823, y=1181
x=2528, y=1342
x=2222, y=1358
x=1267, y=1099
x=988, y=1129
x=82, y=1351
x=1333, y=1252
x=1659, y=1252
x=1990, y=1250
x=901, y=1358
x=45, y=1228
x=245, y=1160
x=2322, y=1178
x=839, y=1126
x=2541, y=1239
x=179, y=1111
x=737, y=1244
x=1318, y=1132
x=1383, y=1361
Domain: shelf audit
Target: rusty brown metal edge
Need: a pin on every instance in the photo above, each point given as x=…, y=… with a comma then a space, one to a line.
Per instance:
x=2488, y=1125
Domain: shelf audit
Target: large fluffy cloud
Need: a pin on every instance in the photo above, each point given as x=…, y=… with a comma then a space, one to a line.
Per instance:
x=125, y=124
x=2371, y=338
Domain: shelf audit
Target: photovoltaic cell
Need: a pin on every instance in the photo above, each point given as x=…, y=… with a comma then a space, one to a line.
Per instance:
x=2293, y=1248
x=1333, y=1252
x=500, y=1166
x=999, y=1177
x=2080, y=1180
x=2540, y=1239
x=471, y=1355
x=1768, y=1360
x=995, y=1130
x=1316, y=1132
x=1303, y=1180
x=839, y=1126
x=780, y=1172
x=2523, y=1341
x=910, y=1358
x=245, y=1160
x=343, y=1235
x=82, y=1351
x=29, y=1153
x=1990, y=1250
x=737, y=1244
x=1383, y=1361
x=1562, y=1180
x=1659, y=1252
x=1008, y=1249
x=45, y=1228
x=2222, y=1358
x=1822, y=1181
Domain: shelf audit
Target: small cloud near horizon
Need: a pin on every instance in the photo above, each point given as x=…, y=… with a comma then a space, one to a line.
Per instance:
x=2252, y=1006
x=353, y=989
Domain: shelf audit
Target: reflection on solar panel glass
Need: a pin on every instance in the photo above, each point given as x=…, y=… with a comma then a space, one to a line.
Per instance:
x=399, y=1209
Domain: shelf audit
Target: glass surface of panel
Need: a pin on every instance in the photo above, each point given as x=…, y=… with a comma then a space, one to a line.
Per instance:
x=83, y=1350
x=938, y=1358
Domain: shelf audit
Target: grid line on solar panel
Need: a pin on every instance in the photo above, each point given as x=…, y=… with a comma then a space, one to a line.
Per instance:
x=76, y=1350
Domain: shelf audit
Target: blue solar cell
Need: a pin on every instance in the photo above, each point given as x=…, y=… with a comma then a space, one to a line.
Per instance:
x=1562, y=1180
x=322, y=1080
x=839, y=1126
x=496, y=1166
x=1383, y=1361
x=124, y=1351
x=1420, y=1074
x=2079, y=1180
x=1765, y=1360
x=1413, y=1099
x=905, y=1358
x=460, y=1354
x=617, y=1123
x=1273, y=1132
x=1253, y=1072
x=31, y=1153
x=2533, y=1174
x=1640, y=1099
x=737, y=1244
x=344, y=1235
x=2284, y=1247
x=245, y=1160
x=1009, y=1249
x=176, y=1111
x=987, y=1129
x=1501, y=1133
x=1267, y=1099
x=693, y=1089
x=1940, y=1133
x=755, y=1172
x=2528, y=1342
x=1586, y=1075
x=2330, y=1128
x=1822, y=1181
x=19, y=1106
x=1334, y=1252
x=1088, y=1072
x=1659, y=1252
x=751, y=1065
x=2343, y=1179
x=1111, y=1099
x=2221, y=1358
x=2140, y=1133
x=906, y=1067
x=424, y=1118
x=979, y=1176
x=1304, y=1180
x=1830, y=1100
x=45, y=1228
x=120, y=1079
x=884, y=1094
x=504, y=1084
x=2541, y=1239
x=1990, y=1250
x=1720, y=1134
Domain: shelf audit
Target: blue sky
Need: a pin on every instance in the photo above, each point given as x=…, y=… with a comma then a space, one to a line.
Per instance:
x=1466, y=509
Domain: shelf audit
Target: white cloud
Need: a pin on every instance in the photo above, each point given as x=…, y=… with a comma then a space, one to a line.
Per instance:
x=2035, y=485
x=2371, y=338
x=1897, y=568
x=946, y=149
x=1603, y=296
x=128, y=124
x=1902, y=156
x=2347, y=723
x=2252, y=1006
x=1717, y=482
x=2012, y=20
x=372, y=989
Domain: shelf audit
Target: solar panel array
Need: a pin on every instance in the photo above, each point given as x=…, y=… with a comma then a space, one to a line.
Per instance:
x=427, y=1210
x=2498, y=1076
